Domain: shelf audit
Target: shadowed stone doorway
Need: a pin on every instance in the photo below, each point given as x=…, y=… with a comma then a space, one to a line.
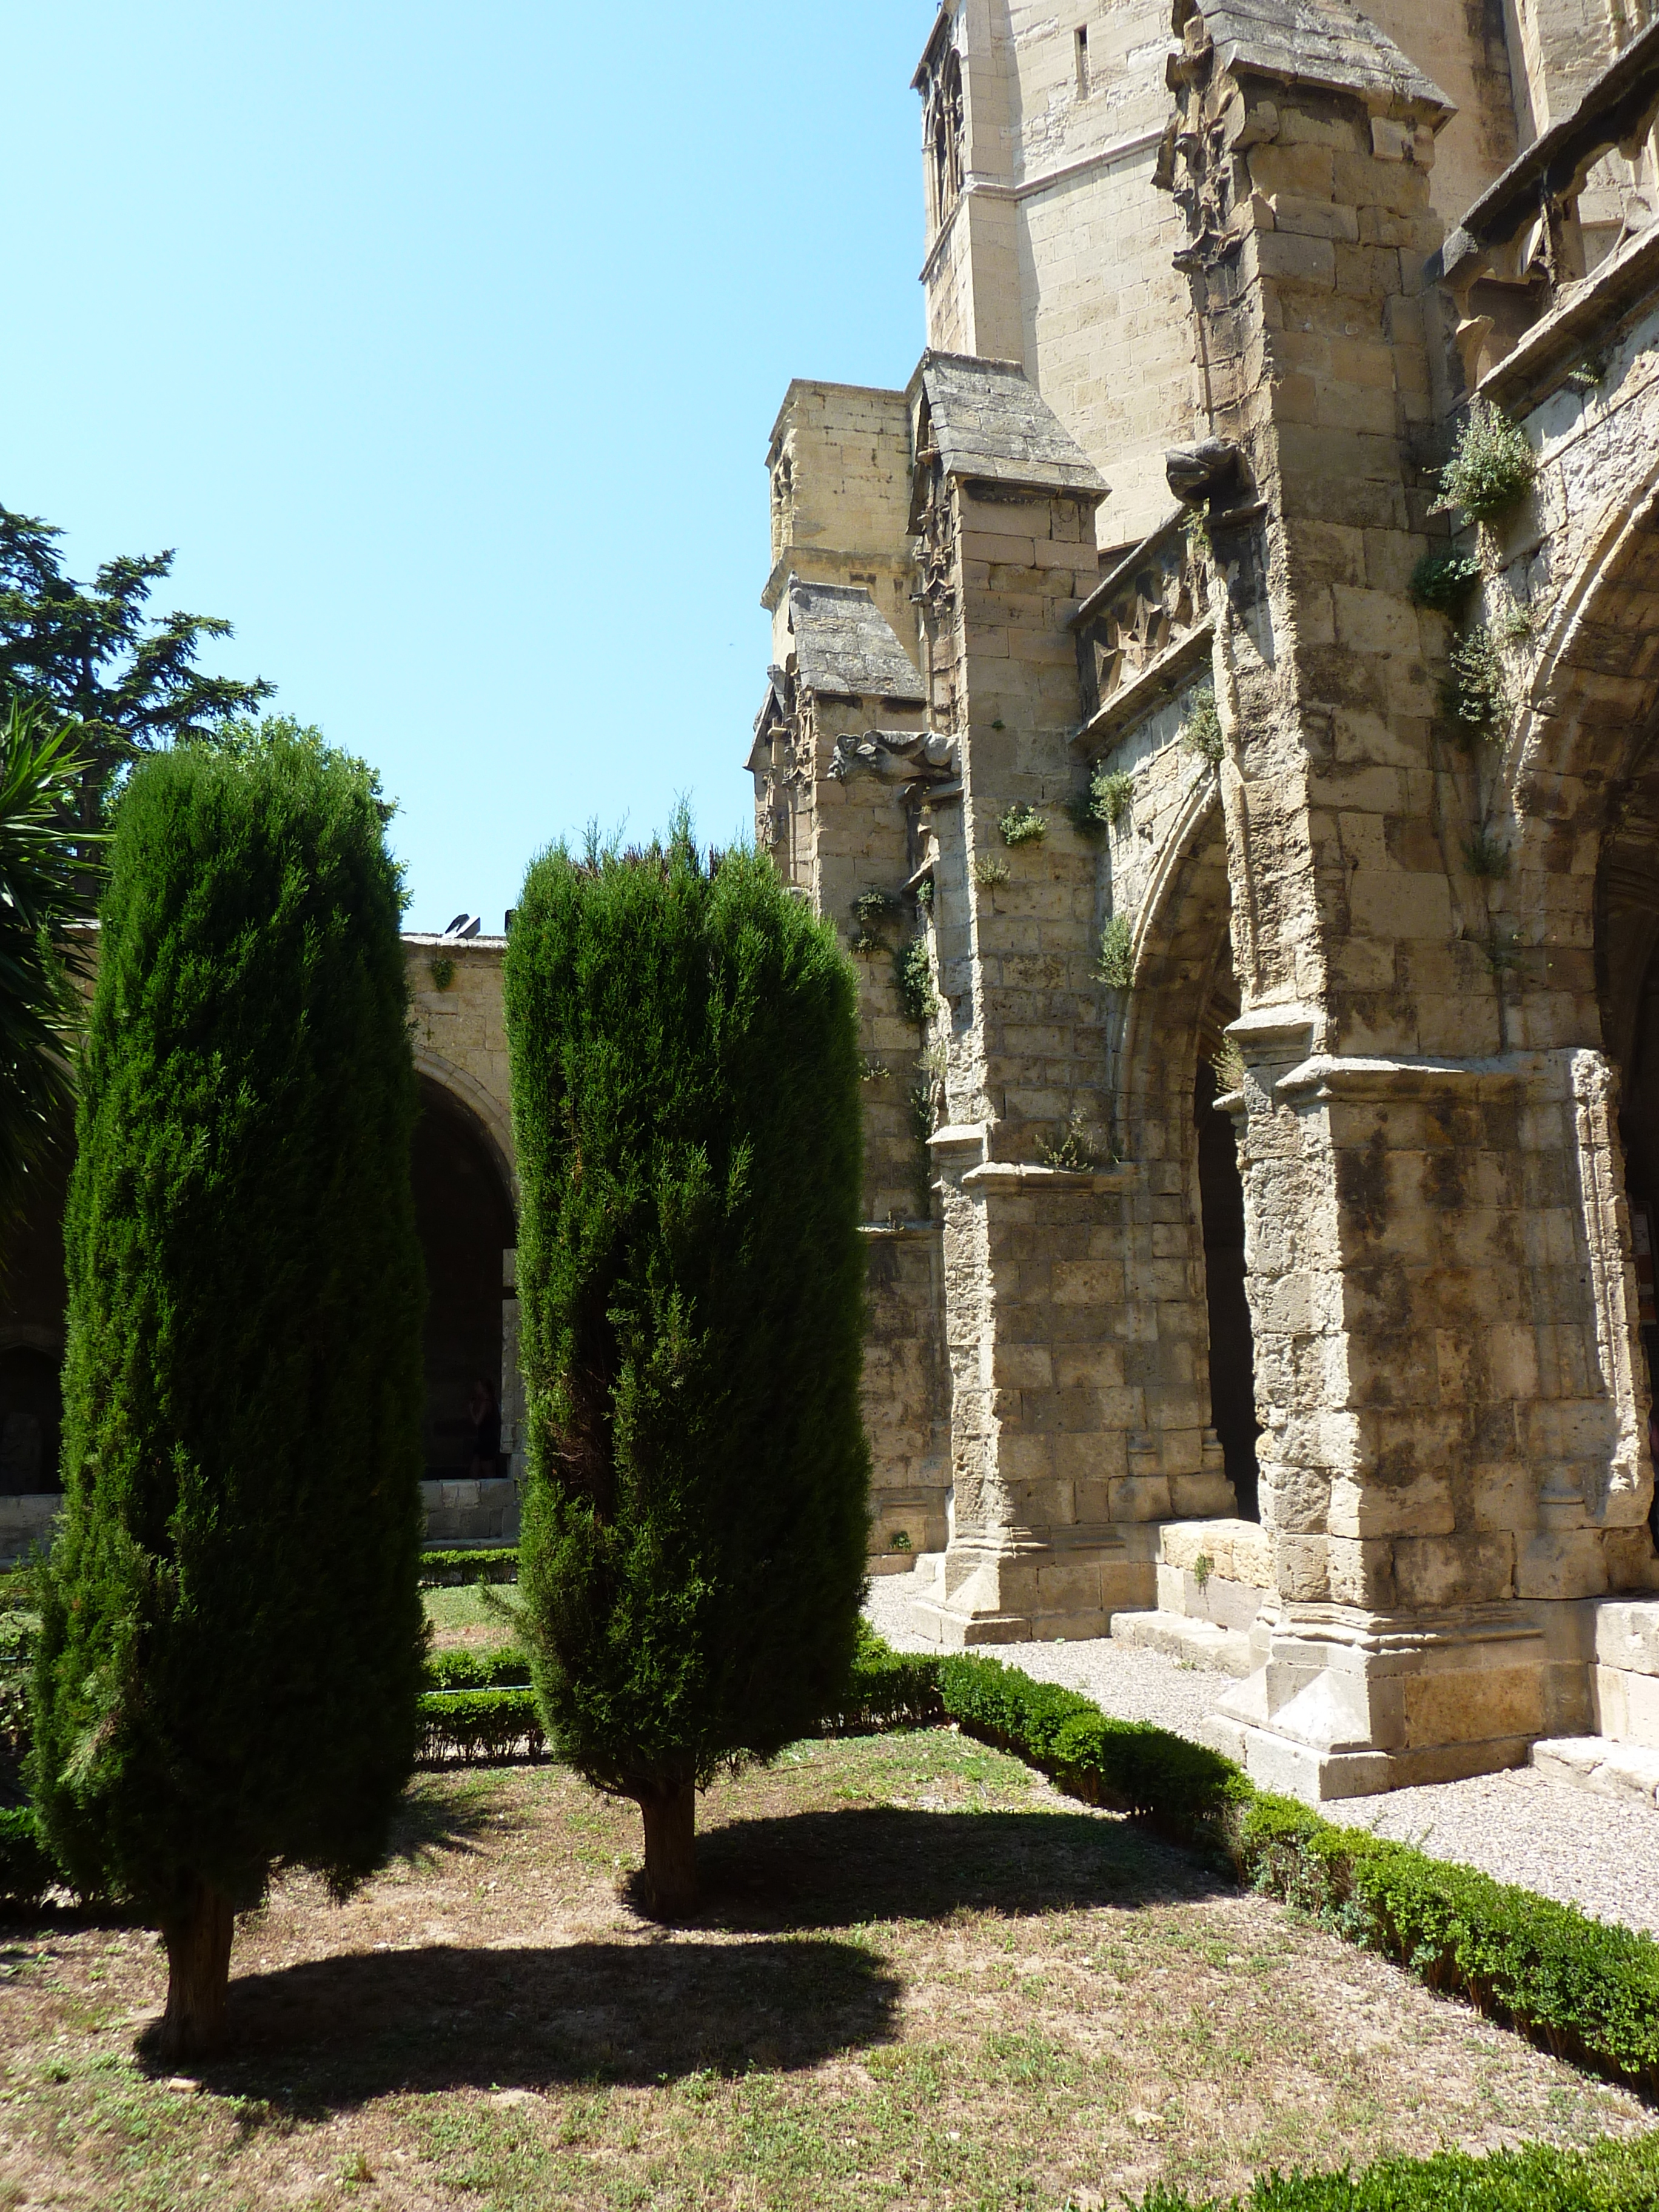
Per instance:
x=464, y=1213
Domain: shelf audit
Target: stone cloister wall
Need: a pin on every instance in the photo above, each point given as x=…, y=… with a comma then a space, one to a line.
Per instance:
x=1405, y=954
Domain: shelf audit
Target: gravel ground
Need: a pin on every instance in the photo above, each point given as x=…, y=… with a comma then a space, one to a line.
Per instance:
x=1594, y=1852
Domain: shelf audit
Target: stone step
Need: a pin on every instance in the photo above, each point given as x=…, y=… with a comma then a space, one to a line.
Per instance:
x=1201, y=1643
x=1629, y=1771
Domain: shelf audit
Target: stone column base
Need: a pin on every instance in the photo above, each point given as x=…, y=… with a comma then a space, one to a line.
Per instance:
x=1027, y=1590
x=1349, y=1702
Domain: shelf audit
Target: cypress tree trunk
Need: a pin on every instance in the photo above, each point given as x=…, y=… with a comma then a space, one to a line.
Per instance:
x=671, y=1859
x=198, y=1940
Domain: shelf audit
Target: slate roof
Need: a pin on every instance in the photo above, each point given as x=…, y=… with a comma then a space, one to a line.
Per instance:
x=986, y=421
x=845, y=644
x=1329, y=44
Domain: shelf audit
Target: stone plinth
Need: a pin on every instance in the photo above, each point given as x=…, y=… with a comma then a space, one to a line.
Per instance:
x=26, y=1523
x=1625, y=1682
x=1349, y=1702
x=1214, y=1581
x=467, y=1512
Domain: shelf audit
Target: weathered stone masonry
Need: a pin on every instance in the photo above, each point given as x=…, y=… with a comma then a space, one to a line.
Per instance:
x=1420, y=966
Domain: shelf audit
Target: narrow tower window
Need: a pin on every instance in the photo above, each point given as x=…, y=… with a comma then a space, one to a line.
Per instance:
x=1083, y=61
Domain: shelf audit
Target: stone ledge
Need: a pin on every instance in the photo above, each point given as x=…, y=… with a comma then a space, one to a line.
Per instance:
x=1628, y=1771
x=1196, y=1643
x=1028, y=1176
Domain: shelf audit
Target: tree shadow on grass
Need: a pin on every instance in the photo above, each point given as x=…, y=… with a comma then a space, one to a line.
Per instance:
x=333, y=2033
x=845, y=1868
x=429, y=1822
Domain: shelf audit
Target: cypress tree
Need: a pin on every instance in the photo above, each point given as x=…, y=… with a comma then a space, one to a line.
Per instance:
x=686, y=1110
x=232, y=1632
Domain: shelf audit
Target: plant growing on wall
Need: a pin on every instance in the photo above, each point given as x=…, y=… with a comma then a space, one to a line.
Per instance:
x=217, y=1691
x=1228, y=1068
x=685, y=1084
x=1474, y=693
x=1074, y=1148
x=1488, y=856
x=915, y=977
x=1444, y=580
x=1201, y=730
x=874, y=912
x=1022, y=825
x=1103, y=805
x=1492, y=466
x=989, y=872
x=1117, y=966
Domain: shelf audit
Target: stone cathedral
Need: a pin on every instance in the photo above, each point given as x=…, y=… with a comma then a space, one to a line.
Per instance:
x=1251, y=858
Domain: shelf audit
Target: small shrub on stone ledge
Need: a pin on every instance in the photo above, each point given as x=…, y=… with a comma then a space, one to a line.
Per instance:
x=915, y=977
x=1074, y=1150
x=1103, y=805
x=1201, y=730
x=1475, y=692
x=1022, y=825
x=1229, y=1068
x=1117, y=964
x=1492, y=466
x=1444, y=580
x=875, y=912
x=1485, y=855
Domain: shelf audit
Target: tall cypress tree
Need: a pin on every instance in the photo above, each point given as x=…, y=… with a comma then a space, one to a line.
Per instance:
x=233, y=1634
x=690, y=1275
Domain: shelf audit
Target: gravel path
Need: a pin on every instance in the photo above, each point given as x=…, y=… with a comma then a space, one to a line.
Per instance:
x=1589, y=1851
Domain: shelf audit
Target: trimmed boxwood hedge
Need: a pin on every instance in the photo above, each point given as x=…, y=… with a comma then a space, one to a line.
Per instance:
x=1614, y=2176
x=457, y=1570
x=1180, y=1788
x=886, y=1689
x=479, y=1724
x=505, y=1669
x=1586, y=1989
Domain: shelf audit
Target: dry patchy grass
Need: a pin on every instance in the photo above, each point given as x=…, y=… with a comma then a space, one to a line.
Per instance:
x=471, y=1617
x=920, y=1980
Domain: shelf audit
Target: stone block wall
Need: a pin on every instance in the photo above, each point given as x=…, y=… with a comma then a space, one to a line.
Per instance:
x=839, y=462
x=459, y=1029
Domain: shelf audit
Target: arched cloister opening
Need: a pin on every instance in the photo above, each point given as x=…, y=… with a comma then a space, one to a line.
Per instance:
x=31, y=1302
x=1173, y=1039
x=464, y=1212
x=1221, y=1215
x=1579, y=914
x=1627, y=986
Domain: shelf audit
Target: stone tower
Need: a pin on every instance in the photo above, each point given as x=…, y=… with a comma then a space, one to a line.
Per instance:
x=1260, y=1068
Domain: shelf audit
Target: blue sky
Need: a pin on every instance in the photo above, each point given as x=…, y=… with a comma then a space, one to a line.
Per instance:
x=443, y=345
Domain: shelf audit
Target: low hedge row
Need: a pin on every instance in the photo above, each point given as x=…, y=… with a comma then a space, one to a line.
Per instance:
x=1584, y=1990
x=457, y=1570
x=479, y=1724
x=886, y=1689
x=505, y=1669
x=1614, y=2176
x=1180, y=1788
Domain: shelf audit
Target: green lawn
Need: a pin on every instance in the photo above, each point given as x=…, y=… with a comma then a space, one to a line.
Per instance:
x=920, y=1980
